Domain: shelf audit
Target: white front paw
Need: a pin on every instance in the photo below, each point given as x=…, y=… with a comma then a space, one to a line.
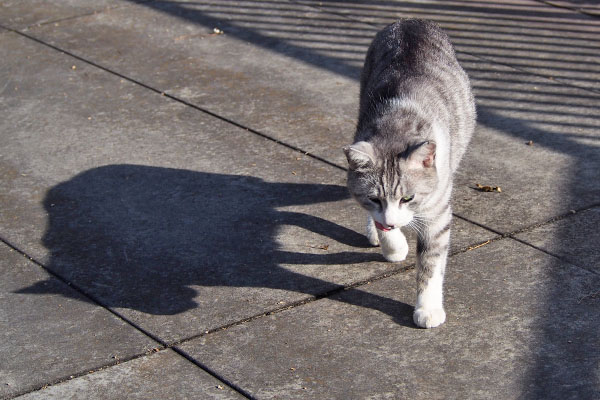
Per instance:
x=393, y=245
x=397, y=255
x=429, y=317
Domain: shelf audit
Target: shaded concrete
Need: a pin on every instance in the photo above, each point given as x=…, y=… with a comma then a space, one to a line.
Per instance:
x=54, y=335
x=529, y=35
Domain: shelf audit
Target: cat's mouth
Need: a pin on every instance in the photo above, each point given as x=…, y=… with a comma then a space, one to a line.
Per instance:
x=381, y=227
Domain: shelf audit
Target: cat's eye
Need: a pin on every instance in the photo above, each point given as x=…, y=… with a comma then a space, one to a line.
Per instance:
x=375, y=200
x=406, y=199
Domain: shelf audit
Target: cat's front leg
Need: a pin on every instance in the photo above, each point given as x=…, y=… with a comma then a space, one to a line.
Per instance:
x=393, y=244
x=432, y=253
x=372, y=231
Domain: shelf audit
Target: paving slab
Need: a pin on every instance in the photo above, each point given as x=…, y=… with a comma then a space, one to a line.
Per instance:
x=164, y=375
x=21, y=14
x=51, y=336
x=574, y=239
x=146, y=203
x=517, y=327
x=180, y=221
x=294, y=89
x=558, y=43
x=253, y=59
x=539, y=141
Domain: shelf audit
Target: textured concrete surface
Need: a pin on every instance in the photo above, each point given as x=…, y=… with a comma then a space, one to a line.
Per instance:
x=537, y=140
x=528, y=35
x=574, y=239
x=194, y=66
x=49, y=337
x=175, y=223
x=19, y=14
x=150, y=228
x=162, y=375
x=363, y=343
x=266, y=88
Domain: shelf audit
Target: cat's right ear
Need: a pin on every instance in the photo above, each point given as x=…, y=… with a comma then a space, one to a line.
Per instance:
x=359, y=155
x=423, y=155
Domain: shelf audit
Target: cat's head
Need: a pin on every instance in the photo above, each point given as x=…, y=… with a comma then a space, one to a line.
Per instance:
x=391, y=184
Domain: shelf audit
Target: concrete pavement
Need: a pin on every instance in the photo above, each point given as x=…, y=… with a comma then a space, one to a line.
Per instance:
x=175, y=224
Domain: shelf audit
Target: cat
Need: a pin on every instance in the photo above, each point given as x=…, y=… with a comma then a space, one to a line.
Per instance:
x=416, y=117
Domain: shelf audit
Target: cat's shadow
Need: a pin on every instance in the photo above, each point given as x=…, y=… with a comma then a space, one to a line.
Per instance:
x=141, y=237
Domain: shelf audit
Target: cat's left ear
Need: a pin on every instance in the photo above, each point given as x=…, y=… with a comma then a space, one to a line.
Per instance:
x=423, y=156
x=360, y=155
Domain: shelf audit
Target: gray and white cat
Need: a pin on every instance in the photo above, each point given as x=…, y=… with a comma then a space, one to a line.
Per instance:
x=416, y=118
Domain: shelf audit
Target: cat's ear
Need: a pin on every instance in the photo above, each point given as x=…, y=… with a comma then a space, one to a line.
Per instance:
x=423, y=156
x=359, y=155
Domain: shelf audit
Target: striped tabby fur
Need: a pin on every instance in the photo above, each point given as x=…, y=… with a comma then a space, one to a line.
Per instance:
x=416, y=117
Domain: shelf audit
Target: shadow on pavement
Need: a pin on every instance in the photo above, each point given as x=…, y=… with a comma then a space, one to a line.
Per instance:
x=140, y=237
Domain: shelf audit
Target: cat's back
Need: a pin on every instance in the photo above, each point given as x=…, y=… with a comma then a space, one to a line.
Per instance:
x=415, y=59
x=406, y=52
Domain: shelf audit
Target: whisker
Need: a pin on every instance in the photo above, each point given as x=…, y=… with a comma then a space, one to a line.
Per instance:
x=418, y=226
x=420, y=222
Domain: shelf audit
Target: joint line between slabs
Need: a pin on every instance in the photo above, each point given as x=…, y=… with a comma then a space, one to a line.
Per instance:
x=177, y=99
x=82, y=15
x=512, y=235
x=86, y=372
x=554, y=219
x=212, y=373
x=327, y=294
x=529, y=227
x=83, y=293
x=265, y=136
x=558, y=257
x=162, y=344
